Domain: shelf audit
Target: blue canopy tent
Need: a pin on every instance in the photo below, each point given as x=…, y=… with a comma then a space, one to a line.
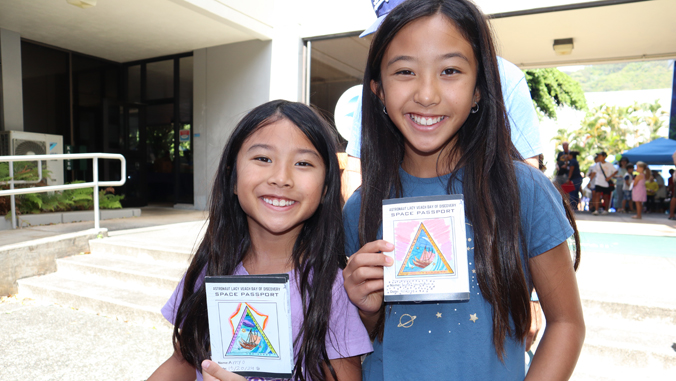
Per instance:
x=658, y=151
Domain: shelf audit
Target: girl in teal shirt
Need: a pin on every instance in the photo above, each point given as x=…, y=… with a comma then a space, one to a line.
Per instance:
x=434, y=123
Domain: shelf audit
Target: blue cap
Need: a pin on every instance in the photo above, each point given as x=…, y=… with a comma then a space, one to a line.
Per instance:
x=382, y=8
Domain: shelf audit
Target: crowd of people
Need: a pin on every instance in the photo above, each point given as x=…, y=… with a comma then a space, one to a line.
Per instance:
x=625, y=188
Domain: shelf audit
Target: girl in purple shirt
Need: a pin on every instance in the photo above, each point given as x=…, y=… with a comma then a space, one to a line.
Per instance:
x=275, y=208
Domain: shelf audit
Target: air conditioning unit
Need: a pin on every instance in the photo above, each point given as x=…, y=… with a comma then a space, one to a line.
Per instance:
x=17, y=143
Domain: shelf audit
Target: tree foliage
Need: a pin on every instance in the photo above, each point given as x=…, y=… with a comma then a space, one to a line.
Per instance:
x=550, y=88
x=626, y=76
x=613, y=129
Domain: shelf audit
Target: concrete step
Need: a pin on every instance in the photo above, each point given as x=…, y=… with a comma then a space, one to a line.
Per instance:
x=130, y=275
x=100, y=295
x=129, y=271
x=172, y=243
x=141, y=250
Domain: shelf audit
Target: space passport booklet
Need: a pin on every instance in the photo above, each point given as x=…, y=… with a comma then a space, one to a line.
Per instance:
x=430, y=249
x=250, y=324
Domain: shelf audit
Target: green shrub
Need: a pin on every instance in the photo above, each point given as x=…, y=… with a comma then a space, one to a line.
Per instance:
x=24, y=171
x=67, y=200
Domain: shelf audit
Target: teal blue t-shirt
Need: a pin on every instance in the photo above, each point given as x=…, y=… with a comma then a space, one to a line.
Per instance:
x=454, y=340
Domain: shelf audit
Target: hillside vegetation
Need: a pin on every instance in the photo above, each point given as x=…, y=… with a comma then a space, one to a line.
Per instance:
x=626, y=76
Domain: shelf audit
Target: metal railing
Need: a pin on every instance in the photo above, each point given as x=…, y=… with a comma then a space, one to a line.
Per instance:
x=71, y=156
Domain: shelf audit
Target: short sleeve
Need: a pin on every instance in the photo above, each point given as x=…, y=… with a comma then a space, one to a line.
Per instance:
x=523, y=119
x=171, y=307
x=351, y=223
x=543, y=218
x=347, y=336
x=354, y=144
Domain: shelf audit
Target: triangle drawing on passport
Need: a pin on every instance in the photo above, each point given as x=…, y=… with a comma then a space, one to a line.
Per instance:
x=424, y=256
x=248, y=338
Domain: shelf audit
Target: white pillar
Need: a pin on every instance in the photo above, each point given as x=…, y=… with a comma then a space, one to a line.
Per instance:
x=12, y=88
x=287, y=52
x=229, y=81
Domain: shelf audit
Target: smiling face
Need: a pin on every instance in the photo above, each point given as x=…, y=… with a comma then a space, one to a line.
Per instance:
x=428, y=80
x=280, y=180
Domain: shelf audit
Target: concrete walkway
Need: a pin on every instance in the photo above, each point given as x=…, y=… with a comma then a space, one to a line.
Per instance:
x=47, y=341
x=151, y=216
x=44, y=340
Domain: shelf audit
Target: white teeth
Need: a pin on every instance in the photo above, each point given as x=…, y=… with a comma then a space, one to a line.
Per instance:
x=424, y=121
x=278, y=202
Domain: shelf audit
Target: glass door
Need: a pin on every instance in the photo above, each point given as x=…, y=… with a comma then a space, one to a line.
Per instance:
x=135, y=190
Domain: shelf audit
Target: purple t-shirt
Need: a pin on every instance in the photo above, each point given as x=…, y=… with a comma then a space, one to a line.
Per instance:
x=346, y=336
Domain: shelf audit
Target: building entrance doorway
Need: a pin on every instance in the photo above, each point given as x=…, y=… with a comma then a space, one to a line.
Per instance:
x=169, y=165
x=160, y=91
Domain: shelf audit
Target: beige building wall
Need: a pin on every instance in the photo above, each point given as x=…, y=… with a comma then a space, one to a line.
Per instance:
x=229, y=80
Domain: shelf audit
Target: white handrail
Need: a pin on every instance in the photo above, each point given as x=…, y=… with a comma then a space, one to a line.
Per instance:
x=69, y=156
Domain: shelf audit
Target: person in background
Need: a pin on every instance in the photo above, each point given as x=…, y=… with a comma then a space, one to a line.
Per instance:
x=638, y=192
x=651, y=188
x=627, y=181
x=661, y=191
x=541, y=163
x=575, y=177
x=619, y=185
x=672, y=204
x=591, y=184
x=351, y=176
x=562, y=164
x=602, y=173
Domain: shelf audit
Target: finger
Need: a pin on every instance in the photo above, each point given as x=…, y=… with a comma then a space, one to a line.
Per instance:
x=211, y=371
x=376, y=247
x=364, y=273
x=370, y=287
x=359, y=260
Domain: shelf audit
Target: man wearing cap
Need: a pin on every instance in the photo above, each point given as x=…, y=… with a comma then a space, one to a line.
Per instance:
x=602, y=174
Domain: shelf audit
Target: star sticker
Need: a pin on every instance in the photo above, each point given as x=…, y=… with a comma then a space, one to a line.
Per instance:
x=473, y=271
x=473, y=318
x=438, y=314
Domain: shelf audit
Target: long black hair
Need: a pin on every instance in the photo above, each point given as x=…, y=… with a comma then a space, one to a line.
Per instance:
x=318, y=252
x=482, y=148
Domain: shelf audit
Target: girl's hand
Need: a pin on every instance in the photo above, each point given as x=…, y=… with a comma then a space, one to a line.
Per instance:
x=363, y=278
x=211, y=371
